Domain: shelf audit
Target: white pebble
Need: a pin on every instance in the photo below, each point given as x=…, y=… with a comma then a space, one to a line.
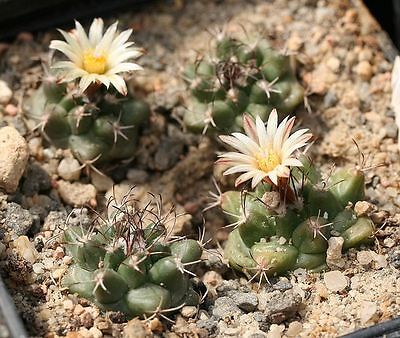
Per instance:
x=5, y=93
x=335, y=281
x=368, y=311
x=69, y=169
x=38, y=268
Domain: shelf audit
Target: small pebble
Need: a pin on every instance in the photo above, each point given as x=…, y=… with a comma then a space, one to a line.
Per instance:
x=69, y=169
x=156, y=325
x=45, y=314
x=363, y=208
x=334, y=253
x=321, y=290
x=79, y=309
x=58, y=273
x=25, y=249
x=35, y=145
x=189, y=311
x=294, y=329
x=95, y=332
x=11, y=110
x=389, y=242
x=335, y=281
x=333, y=64
x=76, y=194
x=68, y=304
x=364, y=70
x=368, y=312
x=364, y=257
x=5, y=93
x=38, y=268
x=275, y=331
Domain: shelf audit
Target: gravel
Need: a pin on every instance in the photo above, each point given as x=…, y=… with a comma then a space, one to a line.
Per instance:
x=280, y=306
x=16, y=219
x=225, y=307
x=245, y=301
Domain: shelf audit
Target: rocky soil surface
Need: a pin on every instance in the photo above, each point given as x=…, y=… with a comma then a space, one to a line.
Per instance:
x=344, y=62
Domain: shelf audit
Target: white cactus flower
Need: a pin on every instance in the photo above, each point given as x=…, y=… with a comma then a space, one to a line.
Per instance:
x=96, y=57
x=265, y=152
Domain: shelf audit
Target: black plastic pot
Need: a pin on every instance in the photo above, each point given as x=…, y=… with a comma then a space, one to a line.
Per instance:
x=34, y=15
x=388, y=329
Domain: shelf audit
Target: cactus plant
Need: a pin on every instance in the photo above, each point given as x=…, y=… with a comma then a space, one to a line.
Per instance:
x=241, y=77
x=129, y=263
x=104, y=130
x=298, y=236
x=98, y=123
x=286, y=221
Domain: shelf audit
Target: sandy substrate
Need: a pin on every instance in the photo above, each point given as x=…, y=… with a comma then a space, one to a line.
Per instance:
x=344, y=62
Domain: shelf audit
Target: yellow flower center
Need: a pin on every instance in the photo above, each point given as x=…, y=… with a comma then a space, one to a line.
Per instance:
x=94, y=63
x=268, y=160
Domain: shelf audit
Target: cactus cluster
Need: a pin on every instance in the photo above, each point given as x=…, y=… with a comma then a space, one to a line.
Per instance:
x=271, y=238
x=103, y=129
x=129, y=263
x=241, y=77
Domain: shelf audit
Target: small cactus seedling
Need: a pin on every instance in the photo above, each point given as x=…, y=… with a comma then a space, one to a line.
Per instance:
x=242, y=77
x=128, y=262
x=98, y=123
x=285, y=222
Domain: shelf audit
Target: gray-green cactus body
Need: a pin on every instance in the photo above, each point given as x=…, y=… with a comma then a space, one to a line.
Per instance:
x=106, y=130
x=240, y=78
x=276, y=241
x=139, y=273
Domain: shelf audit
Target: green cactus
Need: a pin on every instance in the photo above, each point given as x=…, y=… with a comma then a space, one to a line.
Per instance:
x=273, y=240
x=103, y=129
x=240, y=78
x=130, y=267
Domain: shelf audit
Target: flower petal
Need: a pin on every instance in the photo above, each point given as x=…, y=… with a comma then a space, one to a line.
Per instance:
x=96, y=31
x=263, y=140
x=250, y=127
x=124, y=67
x=119, y=83
x=81, y=36
x=239, y=169
x=108, y=37
x=272, y=124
